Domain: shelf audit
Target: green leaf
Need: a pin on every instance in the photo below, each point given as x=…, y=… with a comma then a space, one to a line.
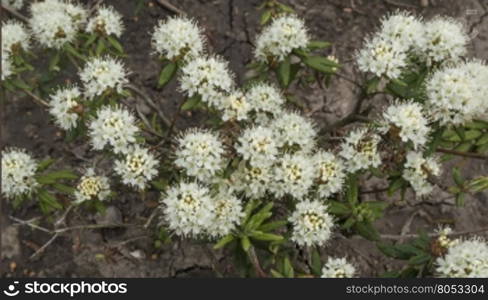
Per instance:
x=472, y=135
x=224, y=241
x=339, y=209
x=372, y=85
x=283, y=72
x=314, y=45
x=262, y=236
x=276, y=274
x=272, y=226
x=250, y=206
x=160, y=184
x=100, y=47
x=64, y=188
x=90, y=40
x=191, y=103
x=352, y=190
x=113, y=41
x=456, y=175
x=349, y=222
x=43, y=165
x=265, y=17
x=321, y=64
x=464, y=147
x=316, y=263
x=288, y=268
x=258, y=218
x=390, y=250
x=62, y=174
x=245, y=243
x=48, y=202
x=420, y=259
x=482, y=140
x=21, y=84
x=366, y=230
x=166, y=74
x=53, y=63
x=74, y=52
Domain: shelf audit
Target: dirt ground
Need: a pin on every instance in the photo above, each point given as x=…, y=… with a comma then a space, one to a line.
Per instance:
x=231, y=27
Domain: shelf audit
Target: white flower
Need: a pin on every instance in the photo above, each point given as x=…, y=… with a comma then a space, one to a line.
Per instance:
x=360, y=150
x=382, y=56
x=443, y=240
x=178, y=37
x=15, y=37
x=200, y=153
x=444, y=39
x=188, y=209
x=15, y=4
x=455, y=95
x=407, y=121
x=280, y=38
x=258, y=146
x=55, y=23
x=265, y=98
x=18, y=171
x=137, y=167
x=227, y=214
x=403, y=27
x=294, y=133
x=103, y=74
x=62, y=106
x=338, y=268
x=107, y=22
x=312, y=225
x=234, y=106
x=329, y=173
x=252, y=180
x=293, y=175
x=7, y=68
x=92, y=187
x=114, y=126
x=417, y=170
x=207, y=77
x=468, y=258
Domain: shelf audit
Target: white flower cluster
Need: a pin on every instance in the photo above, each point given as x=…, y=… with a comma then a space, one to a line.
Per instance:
x=15, y=38
x=457, y=94
x=407, y=122
x=7, y=68
x=234, y=106
x=331, y=173
x=55, y=23
x=360, y=150
x=15, y=4
x=252, y=180
x=92, y=187
x=101, y=75
x=294, y=132
x=178, y=37
x=338, y=268
x=444, y=39
x=208, y=77
x=293, y=175
x=280, y=38
x=63, y=105
x=106, y=22
x=418, y=169
x=312, y=225
x=18, y=171
x=403, y=36
x=190, y=210
x=468, y=258
x=200, y=153
x=258, y=146
x=265, y=98
x=113, y=126
x=137, y=168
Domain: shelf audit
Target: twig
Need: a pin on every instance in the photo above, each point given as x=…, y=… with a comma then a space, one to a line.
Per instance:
x=460, y=153
x=14, y=13
x=36, y=98
x=255, y=262
x=149, y=220
x=170, y=7
x=150, y=102
x=396, y=236
x=40, y=250
x=30, y=224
